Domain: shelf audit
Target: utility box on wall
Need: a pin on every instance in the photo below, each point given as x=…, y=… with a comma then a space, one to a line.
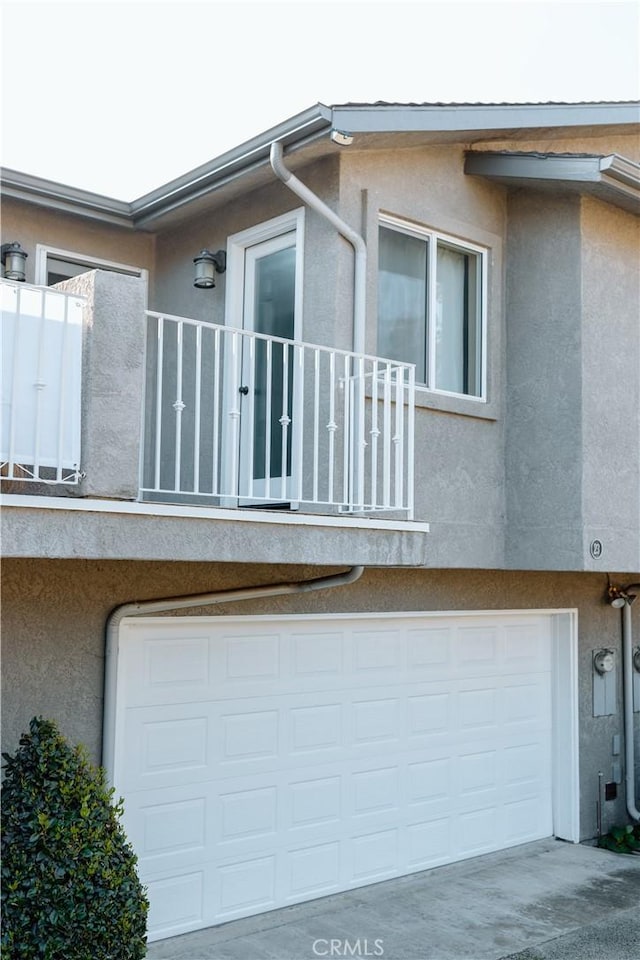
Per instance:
x=605, y=681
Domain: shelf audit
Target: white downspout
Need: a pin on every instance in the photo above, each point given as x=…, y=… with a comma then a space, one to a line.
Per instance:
x=357, y=242
x=627, y=700
x=147, y=607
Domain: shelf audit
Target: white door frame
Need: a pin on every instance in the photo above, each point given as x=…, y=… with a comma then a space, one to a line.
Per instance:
x=237, y=246
x=564, y=688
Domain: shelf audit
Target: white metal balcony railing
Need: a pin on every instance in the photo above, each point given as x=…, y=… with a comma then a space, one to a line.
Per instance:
x=41, y=384
x=234, y=417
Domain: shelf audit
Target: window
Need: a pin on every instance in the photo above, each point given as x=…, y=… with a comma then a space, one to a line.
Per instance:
x=431, y=307
x=53, y=265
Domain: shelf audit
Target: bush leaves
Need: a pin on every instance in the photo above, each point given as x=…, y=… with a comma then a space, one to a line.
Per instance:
x=70, y=890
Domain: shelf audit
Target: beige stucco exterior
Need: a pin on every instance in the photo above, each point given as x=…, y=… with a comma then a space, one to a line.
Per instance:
x=515, y=488
x=32, y=225
x=55, y=614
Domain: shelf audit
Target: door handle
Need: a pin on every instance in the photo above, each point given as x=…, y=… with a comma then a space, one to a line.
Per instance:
x=243, y=390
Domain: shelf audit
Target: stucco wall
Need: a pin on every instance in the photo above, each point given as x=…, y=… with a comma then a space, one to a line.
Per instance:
x=610, y=241
x=459, y=443
x=328, y=296
x=31, y=225
x=553, y=348
x=573, y=381
x=544, y=373
x=54, y=615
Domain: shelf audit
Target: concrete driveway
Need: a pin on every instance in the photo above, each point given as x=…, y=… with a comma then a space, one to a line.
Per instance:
x=542, y=901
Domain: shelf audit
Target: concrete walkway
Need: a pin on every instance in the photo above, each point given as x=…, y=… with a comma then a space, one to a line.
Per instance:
x=542, y=901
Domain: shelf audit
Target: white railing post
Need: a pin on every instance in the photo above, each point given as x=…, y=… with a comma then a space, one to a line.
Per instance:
x=374, y=432
x=158, y=418
x=411, y=413
x=298, y=422
x=17, y=327
x=285, y=420
x=178, y=406
x=196, y=441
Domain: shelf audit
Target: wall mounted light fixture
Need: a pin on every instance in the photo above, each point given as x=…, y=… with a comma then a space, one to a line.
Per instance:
x=342, y=137
x=13, y=259
x=618, y=596
x=207, y=265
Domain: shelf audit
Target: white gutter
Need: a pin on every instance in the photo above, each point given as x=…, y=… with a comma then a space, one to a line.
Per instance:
x=148, y=607
x=357, y=242
x=627, y=702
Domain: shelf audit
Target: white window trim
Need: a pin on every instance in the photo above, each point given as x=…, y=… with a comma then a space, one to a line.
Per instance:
x=432, y=235
x=43, y=252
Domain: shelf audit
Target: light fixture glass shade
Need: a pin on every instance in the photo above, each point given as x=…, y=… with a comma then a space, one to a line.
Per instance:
x=207, y=265
x=14, y=259
x=205, y=270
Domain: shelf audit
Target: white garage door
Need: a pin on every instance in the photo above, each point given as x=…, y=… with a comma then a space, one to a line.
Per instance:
x=266, y=761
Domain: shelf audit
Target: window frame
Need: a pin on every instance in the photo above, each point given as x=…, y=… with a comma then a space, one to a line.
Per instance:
x=44, y=252
x=432, y=237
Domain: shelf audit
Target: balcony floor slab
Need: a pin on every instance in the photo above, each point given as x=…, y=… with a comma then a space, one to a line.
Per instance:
x=65, y=528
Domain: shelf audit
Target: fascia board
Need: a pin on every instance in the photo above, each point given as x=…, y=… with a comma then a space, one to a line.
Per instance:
x=613, y=178
x=399, y=118
x=57, y=196
x=622, y=169
x=298, y=130
x=533, y=166
x=307, y=126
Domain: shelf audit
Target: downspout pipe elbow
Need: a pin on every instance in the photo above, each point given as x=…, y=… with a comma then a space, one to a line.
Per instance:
x=189, y=602
x=357, y=242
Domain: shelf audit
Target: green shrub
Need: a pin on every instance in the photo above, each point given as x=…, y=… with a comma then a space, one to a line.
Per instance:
x=70, y=890
x=622, y=839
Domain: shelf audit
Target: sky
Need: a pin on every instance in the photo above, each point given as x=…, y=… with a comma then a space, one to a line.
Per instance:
x=120, y=97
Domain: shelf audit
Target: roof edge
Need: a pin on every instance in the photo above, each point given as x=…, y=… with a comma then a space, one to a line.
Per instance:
x=60, y=196
x=297, y=130
x=466, y=118
x=309, y=125
x=613, y=178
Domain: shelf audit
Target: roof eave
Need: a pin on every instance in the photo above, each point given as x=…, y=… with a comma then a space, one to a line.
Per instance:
x=468, y=118
x=61, y=197
x=143, y=212
x=310, y=125
x=613, y=178
x=297, y=131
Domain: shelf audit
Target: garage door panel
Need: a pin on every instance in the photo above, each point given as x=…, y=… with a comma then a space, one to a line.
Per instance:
x=313, y=871
x=526, y=819
x=167, y=746
x=526, y=647
x=177, y=902
x=428, y=843
x=377, y=652
x=272, y=761
x=477, y=831
x=429, y=650
x=157, y=663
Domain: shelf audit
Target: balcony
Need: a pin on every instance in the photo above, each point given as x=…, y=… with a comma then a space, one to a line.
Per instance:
x=42, y=332
x=112, y=411
x=234, y=417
